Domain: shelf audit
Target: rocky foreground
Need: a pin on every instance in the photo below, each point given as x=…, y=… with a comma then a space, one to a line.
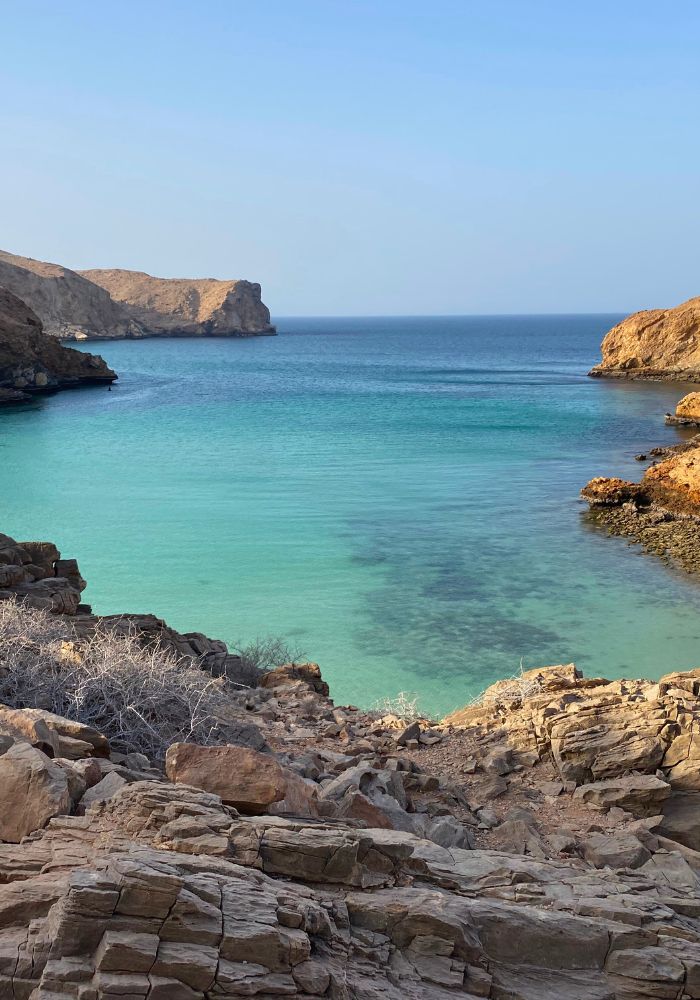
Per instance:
x=654, y=344
x=108, y=304
x=543, y=844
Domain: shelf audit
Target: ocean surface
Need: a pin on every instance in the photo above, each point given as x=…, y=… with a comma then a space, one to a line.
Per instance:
x=397, y=497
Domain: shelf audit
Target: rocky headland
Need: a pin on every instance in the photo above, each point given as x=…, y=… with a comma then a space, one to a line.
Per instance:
x=112, y=304
x=185, y=307
x=654, y=344
x=32, y=362
x=540, y=844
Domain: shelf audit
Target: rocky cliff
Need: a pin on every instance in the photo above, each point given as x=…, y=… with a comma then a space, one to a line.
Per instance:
x=69, y=306
x=187, y=307
x=31, y=362
x=104, y=304
x=655, y=343
x=543, y=844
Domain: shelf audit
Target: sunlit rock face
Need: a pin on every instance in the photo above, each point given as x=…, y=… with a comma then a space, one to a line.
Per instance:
x=654, y=343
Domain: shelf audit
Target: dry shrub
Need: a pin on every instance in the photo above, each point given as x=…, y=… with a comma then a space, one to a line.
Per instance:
x=268, y=652
x=141, y=699
x=404, y=706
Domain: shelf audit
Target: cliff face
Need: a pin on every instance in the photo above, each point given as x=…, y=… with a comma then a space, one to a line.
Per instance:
x=655, y=343
x=111, y=304
x=69, y=306
x=30, y=361
x=187, y=307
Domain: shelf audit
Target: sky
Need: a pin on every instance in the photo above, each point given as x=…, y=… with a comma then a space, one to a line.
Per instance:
x=361, y=158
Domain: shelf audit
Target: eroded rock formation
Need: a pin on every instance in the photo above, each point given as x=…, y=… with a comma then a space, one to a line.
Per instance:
x=654, y=343
x=186, y=307
x=32, y=362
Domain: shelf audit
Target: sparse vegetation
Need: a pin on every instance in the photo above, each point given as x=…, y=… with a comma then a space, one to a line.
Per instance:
x=404, y=705
x=511, y=691
x=268, y=652
x=141, y=699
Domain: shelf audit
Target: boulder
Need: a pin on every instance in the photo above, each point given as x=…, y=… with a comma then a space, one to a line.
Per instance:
x=68, y=738
x=639, y=794
x=248, y=780
x=681, y=820
x=33, y=789
x=615, y=850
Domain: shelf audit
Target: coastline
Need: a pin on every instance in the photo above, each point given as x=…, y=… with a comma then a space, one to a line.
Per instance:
x=543, y=841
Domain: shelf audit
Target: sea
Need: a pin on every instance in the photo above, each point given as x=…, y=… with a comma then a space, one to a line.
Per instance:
x=398, y=498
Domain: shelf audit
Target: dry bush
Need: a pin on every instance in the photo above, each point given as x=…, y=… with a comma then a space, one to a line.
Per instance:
x=141, y=699
x=512, y=691
x=268, y=652
x=404, y=705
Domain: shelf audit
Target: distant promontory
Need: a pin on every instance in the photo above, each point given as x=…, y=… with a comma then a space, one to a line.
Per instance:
x=112, y=304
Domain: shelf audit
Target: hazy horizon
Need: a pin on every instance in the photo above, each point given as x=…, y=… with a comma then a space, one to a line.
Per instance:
x=525, y=158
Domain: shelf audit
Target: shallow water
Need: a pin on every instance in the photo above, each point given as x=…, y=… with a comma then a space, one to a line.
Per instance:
x=397, y=496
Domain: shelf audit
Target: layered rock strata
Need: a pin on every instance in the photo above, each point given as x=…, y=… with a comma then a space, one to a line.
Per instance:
x=31, y=362
x=540, y=843
x=655, y=344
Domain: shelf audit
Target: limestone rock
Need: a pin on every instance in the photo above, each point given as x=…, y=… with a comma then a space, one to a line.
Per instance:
x=248, y=780
x=185, y=307
x=655, y=343
x=32, y=789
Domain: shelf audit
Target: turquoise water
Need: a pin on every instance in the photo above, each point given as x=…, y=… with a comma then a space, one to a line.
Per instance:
x=399, y=497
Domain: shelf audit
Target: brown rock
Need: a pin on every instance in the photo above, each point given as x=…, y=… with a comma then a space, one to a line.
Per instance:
x=185, y=307
x=243, y=778
x=32, y=789
x=31, y=361
x=639, y=794
x=655, y=343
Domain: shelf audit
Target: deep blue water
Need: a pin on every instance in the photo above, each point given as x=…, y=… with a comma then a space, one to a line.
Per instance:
x=398, y=496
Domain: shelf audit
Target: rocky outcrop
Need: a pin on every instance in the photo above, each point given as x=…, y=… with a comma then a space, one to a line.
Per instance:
x=186, y=307
x=34, y=573
x=109, y=304
x=662, y=512
x=655, y=343
x=32, y=362
x=69, y=306
x=687, y=412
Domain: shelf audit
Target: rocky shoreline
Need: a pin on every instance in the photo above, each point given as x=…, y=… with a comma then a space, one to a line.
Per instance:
x=662, y=512
x=543, y=843
x=32, y=363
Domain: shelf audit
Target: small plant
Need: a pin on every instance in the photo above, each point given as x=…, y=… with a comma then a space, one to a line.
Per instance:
x=268, y=652
x=511, y=691
x=404, y=705
x=141, y=699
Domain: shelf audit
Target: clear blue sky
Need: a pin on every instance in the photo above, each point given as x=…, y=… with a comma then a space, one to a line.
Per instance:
x=362, y=157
